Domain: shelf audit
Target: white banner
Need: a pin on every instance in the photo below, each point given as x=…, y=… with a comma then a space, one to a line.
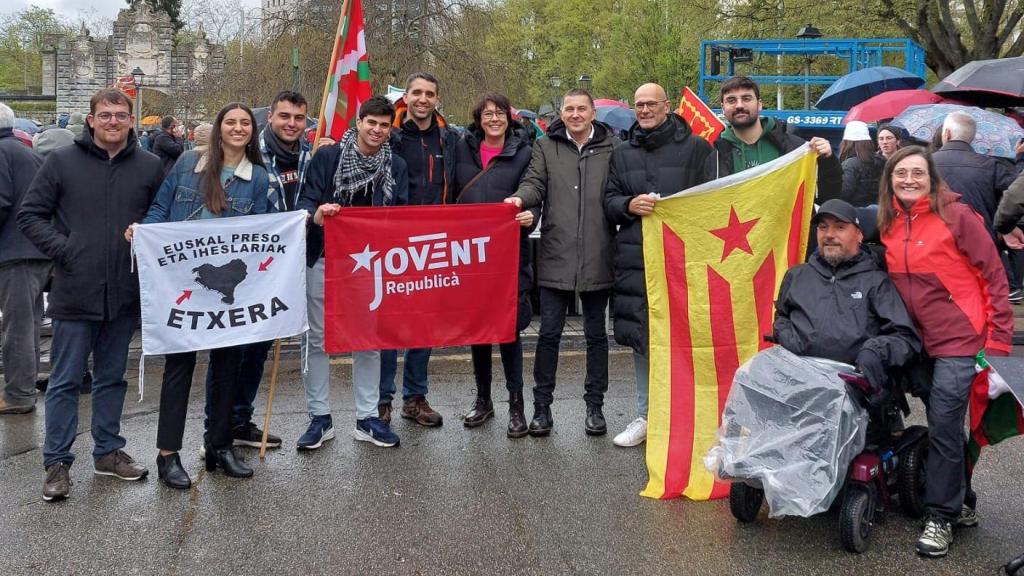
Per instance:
x=221, y=282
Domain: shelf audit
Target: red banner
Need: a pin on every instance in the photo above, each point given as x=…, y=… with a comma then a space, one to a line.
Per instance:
x=701, y=119
x=420, y=277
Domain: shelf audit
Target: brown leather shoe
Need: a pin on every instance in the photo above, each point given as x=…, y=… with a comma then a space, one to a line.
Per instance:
x=417, y=408
x=384, y=413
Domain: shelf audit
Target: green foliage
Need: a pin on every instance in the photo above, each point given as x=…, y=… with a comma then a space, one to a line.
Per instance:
x=24, y=35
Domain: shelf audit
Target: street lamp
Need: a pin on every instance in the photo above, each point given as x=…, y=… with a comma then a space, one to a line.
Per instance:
x=584, y=81
x=808, y=32
x=556, y=83
x=137, y=77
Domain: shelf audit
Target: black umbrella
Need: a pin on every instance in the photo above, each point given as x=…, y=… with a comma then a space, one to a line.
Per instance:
x=987, y=83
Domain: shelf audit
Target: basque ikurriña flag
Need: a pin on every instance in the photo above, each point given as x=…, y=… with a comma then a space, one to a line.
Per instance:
x=420, y=277
x=715, y=256
x=221, y=282
x=996, y=405
x=348, y=74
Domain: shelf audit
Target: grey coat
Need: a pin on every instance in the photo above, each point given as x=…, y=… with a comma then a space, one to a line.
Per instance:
x=576, y=243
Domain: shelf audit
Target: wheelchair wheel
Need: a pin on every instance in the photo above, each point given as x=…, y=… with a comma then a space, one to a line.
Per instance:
x=910, y=479
x=855, y=519
x=745, y=501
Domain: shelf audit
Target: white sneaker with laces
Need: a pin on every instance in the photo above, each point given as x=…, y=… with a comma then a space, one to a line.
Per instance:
x=633, y=435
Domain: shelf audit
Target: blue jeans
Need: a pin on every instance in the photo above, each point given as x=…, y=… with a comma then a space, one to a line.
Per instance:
x=641, y=369
x=250, y=374
x=73, y=341
x=414, y=379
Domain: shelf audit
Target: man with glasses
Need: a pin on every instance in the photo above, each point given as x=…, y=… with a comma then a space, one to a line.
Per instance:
x=81, y=200
x=750, y=140
x=661, y=156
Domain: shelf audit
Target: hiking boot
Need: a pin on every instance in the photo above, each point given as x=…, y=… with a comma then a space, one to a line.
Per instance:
x=968, y=517
x=542, y=423
x=416, y=408
x=936, y=538
x=374, y=431
x=320, y=430
x=482, y=410
x=57, y=485
x=384, y=413
x=120, y=465
x=249, y=434
x=595, y=424
x=634, y=434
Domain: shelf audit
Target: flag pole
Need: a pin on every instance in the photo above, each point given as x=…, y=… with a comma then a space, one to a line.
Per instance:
x=330, y=74
x=270, y=398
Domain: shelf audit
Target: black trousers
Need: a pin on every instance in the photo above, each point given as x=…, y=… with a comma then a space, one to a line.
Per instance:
x=177, y=383
x=553, y=304
x=511, y=362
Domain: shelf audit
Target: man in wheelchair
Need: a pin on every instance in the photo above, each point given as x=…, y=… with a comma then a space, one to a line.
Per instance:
x=841, y=305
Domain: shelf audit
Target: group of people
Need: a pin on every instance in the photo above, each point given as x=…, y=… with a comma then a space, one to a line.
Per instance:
x=943, y=300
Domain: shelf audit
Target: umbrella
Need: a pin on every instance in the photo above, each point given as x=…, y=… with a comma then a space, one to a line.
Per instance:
x=889, y=104
x=524, y=114
x=993, y=83
x=23, y=136
x=997, y=135
x=150, y=120
x=26, y=125
x=616, y=117
x=610, y=102
x=858, y=86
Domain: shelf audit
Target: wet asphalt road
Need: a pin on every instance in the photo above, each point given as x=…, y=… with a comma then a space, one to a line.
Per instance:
x=448, y=501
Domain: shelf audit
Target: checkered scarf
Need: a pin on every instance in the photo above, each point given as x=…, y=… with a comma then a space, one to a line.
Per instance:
x=356, y=171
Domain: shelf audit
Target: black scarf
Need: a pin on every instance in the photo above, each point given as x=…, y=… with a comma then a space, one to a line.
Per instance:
x=282, y=152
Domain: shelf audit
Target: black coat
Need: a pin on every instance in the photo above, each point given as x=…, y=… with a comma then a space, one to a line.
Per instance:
x=836, y=313
x=18, y=165
x=830, y=172
x=429, y=156
x=979, y=180
x=76, y=211
x=860, y=180
x=168, y=148
x=500, y=181
x=668, y=159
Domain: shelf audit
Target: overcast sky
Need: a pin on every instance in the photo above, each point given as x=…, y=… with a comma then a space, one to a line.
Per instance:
x=76, y=9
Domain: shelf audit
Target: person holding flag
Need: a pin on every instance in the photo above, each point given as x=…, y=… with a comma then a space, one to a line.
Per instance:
x=946, y=267
x=226, y=180
x=359, y=171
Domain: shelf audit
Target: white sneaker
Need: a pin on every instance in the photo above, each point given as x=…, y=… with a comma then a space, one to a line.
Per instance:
x=633, y=435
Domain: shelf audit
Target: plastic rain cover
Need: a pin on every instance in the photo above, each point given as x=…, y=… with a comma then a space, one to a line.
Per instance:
x=790, y=428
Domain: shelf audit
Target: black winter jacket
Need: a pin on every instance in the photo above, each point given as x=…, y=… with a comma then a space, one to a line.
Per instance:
x=76, y=211
x=836, y=313
x=429, y=156
x=830, y=172
x=860, y=180
x=667, y=160
x=168, y=148
x=18, y=165
x=979, y=180
x=499, y=182
x=319, y=189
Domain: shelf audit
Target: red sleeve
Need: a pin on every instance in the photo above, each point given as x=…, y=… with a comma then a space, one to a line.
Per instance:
x=975, y=243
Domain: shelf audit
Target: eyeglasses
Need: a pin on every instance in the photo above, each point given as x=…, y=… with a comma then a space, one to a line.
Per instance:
x=108, y=116
x=916, y=174
x=734, y=100
x=648, y=105
x=493, y=114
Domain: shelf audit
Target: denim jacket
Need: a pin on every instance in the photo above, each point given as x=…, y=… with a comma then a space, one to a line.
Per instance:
x=179, y=197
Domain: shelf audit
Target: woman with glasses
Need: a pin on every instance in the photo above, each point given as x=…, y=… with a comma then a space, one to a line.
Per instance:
x=489, y=163
x=945, y=266
x=225, y=180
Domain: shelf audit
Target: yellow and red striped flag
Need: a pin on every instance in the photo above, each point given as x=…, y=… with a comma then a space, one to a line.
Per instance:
x=715, y=256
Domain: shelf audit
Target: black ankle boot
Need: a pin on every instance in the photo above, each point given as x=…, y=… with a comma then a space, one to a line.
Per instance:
x=228, y=460
x=169, y=470
x=542, y=422
x=516, y=419
x=595, y=424
x=482, y=409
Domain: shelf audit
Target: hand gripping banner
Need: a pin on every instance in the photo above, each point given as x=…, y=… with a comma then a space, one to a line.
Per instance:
x=715, y=255
x=418, y=277
x=221, y=282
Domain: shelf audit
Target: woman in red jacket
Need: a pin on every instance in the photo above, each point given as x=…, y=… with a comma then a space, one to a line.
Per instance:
x=946, y=267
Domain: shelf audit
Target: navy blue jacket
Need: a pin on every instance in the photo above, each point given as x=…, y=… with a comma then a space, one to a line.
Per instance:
x=319, y=189
x=979, y=180
x=429, y=157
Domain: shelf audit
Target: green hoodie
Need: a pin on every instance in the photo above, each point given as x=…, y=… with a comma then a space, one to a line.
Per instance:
x=747, y=156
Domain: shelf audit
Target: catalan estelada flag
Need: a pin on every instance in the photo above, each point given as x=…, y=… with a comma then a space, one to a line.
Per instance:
x=715, y=256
